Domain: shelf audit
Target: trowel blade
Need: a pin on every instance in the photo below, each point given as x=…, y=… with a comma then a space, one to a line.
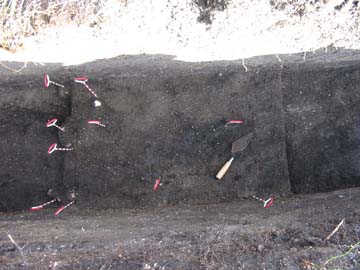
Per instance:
x=242, y=143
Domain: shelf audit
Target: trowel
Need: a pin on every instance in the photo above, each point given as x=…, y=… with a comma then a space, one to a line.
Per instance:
x=236, y=147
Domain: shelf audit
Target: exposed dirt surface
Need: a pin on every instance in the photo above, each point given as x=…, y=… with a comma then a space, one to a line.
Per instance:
x=240, y=235
x=165, y=118
x=322, y=128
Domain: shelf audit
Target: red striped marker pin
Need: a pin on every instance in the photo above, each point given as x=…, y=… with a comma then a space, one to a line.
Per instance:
x=267, y=203
x=41, y=206
x=96, y=122
x=47, y=81
x=52, y=123
x=63, y=207
x=83, y=81
x=233, y=122
x=54, y=148
x=157, y=184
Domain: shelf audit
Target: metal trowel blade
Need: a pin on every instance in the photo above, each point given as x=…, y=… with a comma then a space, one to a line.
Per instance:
x=242, y=143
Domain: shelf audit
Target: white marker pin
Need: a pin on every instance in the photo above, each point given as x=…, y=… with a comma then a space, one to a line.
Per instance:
x=96, y=122
x=54, y=148
x=52, y=123
x=47, y=81
x=83, y=81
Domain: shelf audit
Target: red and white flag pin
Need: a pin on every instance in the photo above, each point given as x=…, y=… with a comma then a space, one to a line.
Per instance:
x=157, y=184
x=41, y=206
x=54, y=148
x=52, y=123
x=63, y=207
x=47, y=81
x=233, y=123
x=83, y=81
x=267, y=202
x=96, y=122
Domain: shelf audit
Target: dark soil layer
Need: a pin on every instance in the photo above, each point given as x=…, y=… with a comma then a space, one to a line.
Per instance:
x=166, y=118
x=26, y=171
x=241, y=235
x=169, y=123
x=323, y=127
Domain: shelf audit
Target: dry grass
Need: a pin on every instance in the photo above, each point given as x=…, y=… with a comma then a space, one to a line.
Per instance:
x=24, y=18
x=79, y=31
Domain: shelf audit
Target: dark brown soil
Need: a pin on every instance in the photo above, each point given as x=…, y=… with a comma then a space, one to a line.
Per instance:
x=240, y=235
x=165, y=119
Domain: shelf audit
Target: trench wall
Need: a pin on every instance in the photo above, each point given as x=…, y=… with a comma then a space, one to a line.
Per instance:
x=166, y=119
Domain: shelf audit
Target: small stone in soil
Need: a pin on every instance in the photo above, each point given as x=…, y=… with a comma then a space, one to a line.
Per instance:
x=260, y=248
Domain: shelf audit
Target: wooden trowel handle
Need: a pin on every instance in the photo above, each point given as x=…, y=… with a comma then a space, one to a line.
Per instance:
x=224, y=168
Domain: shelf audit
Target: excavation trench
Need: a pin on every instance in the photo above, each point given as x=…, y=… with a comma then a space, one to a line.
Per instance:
x=166, y=119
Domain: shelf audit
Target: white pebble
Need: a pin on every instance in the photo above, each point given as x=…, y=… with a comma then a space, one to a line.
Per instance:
x=97, y=103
